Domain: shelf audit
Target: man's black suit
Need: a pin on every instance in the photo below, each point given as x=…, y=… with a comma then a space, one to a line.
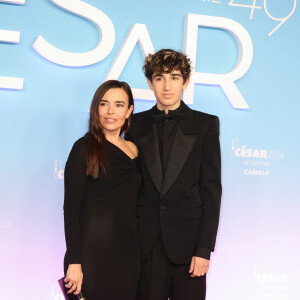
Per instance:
x=182, y=207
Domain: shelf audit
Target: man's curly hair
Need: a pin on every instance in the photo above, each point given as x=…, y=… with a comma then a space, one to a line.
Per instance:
x=166, y=61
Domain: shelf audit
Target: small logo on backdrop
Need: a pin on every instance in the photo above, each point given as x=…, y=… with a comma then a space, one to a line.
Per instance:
x=265, y=276
x=275, y=284
x=5, y=225
x=257, y=161
x=58, y=170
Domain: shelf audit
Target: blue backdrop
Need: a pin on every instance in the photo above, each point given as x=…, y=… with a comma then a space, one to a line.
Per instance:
x=257, y=253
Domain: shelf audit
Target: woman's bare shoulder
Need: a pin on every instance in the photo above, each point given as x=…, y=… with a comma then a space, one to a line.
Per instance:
x=132, y=148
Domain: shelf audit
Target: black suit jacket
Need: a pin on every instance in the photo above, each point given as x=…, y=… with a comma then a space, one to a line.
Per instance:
x=184, y=206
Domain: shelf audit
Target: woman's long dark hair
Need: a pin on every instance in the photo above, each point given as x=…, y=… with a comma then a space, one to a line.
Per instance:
x=95, y=136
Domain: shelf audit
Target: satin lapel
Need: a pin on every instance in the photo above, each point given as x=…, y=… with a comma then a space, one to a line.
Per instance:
x=181, y=149
x=150, y=150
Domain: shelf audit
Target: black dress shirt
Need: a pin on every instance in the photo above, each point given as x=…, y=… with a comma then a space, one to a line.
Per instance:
x=166, y=130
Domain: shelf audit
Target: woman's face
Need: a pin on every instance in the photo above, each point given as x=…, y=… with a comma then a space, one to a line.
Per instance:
x=113, y=110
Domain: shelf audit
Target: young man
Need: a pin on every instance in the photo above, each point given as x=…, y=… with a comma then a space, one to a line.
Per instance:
x=179, y=201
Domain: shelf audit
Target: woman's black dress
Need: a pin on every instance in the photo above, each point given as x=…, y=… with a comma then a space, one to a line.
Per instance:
x=100, y=223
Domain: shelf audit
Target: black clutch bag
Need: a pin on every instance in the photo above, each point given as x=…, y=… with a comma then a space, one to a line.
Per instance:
x=65, y=290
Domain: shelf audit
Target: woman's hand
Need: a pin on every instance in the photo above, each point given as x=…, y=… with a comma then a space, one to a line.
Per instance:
x=73, y=279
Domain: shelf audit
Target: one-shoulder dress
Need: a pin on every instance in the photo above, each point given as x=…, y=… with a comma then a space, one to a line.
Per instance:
x=100, y=223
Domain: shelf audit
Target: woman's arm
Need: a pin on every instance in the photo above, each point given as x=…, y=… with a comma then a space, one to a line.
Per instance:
x=75, y=185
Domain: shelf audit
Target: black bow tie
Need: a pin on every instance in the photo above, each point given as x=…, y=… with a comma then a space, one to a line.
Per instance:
x=163, y=117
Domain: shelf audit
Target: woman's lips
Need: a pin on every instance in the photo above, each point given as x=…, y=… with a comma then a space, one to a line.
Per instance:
x=110, y=120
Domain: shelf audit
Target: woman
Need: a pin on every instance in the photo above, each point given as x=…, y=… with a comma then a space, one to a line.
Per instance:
x=101, y=186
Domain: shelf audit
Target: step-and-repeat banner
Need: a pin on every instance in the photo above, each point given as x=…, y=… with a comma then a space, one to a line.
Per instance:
x=53, y=56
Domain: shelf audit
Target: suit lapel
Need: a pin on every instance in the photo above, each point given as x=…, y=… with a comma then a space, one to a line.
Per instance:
x=183, y=142
x=181, y=149
x=149, y=148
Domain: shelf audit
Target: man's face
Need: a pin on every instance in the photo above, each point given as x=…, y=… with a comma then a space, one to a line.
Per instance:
x=168, y=88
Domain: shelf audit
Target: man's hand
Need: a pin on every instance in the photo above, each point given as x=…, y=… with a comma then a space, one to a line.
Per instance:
x=74, y=278
x=199, y=266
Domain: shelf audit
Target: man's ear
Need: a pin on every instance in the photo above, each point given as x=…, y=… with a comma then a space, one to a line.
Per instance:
x=186, y=83
x=150, y=84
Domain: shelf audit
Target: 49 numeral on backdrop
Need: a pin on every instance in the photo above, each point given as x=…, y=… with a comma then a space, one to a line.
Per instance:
x=281, y=20
x=253, y=6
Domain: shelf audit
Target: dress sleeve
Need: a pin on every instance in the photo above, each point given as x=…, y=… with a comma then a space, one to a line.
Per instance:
x=75, y=180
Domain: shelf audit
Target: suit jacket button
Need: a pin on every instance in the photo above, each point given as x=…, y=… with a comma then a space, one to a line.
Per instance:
x=162, y=207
